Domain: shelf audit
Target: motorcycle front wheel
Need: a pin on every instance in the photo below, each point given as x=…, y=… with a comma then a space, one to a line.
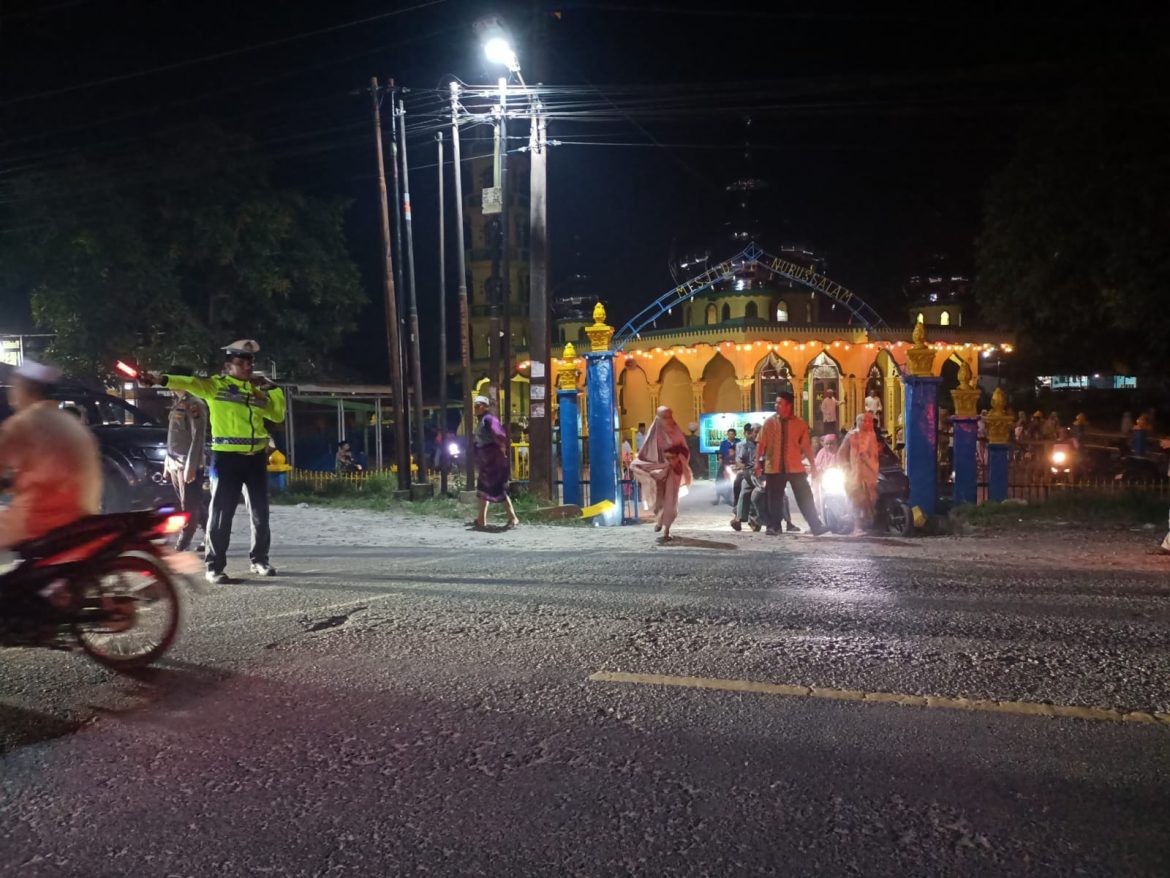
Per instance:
x=899, y=518
x=130, y=612
x=838, y=519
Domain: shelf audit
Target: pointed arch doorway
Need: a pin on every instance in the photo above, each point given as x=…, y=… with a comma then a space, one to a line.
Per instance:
x=823, y=374
x=773, y=376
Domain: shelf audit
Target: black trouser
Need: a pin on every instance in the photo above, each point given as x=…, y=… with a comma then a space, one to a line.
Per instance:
x=774, y=487
x=192, y=501
x=234, y=471
x=736, y=488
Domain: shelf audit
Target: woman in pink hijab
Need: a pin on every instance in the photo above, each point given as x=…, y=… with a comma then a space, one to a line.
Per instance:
x=859, y=458
x=662, y=467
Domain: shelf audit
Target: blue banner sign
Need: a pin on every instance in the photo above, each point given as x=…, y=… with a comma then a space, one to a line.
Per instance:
x=713, y=427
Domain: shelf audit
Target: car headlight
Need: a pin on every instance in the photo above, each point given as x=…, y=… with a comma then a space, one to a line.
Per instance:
x=833, y=481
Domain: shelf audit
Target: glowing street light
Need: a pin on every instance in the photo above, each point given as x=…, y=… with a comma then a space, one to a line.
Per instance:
x=499, y=51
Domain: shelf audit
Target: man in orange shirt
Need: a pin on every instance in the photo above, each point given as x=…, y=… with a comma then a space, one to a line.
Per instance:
x=780, y=453
x=54, y=460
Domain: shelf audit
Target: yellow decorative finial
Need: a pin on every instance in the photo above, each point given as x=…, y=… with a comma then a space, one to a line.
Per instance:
x=599, y=333
x=921, y=356
x=998, y=420
x=999, y=401
x=966, y=395
x=567, y=370
x=965, y=377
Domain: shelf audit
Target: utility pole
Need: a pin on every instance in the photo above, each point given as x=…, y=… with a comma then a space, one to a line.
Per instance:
x=497, y=282
x=442, y=437
x=415, y=356
x=464, y=316
x=539, y=417
x=505, y=263
x=399, y=284
x=402, y=449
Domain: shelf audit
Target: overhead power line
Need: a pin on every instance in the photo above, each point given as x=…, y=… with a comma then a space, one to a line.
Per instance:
x=216, y=56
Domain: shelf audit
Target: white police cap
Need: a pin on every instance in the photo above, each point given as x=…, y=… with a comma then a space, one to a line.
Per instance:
x=244, y=347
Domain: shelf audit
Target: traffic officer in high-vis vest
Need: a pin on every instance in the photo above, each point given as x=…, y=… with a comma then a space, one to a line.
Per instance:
x=239, y=407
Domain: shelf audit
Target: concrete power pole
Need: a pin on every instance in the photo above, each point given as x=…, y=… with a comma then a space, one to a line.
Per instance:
x=415, y=354
x=442, y=437
x=540, y=412
x=402, y=447
x=464, y=316
x=505, y=263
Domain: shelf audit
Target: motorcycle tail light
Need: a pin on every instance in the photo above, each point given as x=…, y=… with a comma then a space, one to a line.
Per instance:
x=173, y=523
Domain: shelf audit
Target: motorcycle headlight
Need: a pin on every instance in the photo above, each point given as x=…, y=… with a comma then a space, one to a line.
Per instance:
x=452, y=449
x=1059, y=457
x=833, y=481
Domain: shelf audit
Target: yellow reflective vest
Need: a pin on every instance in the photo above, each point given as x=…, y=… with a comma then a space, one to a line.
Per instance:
x=238, y=410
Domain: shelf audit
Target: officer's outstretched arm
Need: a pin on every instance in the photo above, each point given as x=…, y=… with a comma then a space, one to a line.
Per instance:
x=204, y=388
x=273, y=410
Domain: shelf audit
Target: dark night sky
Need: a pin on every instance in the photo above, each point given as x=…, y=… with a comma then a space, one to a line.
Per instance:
x=877, y=126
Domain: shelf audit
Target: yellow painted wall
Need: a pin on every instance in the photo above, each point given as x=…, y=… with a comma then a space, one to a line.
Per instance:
x=677, y=393
x=635, y=396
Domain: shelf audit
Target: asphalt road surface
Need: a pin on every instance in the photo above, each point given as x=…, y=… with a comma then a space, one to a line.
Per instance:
x=572, y=701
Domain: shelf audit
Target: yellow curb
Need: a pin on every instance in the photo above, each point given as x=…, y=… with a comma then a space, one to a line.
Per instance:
x=940, y=702
x=838, y=694
x=896, y=698
x=1136, y=716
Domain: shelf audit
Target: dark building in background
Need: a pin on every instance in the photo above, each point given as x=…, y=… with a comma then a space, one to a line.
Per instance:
x=937, y=294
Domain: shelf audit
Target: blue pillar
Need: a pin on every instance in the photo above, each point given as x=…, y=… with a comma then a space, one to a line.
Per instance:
x=570, y=419
x=603, y=445
x=966, y=481
x=997, y=471
x=921, y=430
x=1139, y=442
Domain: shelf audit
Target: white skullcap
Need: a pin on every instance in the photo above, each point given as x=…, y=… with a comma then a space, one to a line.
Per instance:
x=38, y=372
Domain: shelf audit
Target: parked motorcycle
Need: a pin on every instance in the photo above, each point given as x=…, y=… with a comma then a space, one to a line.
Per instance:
x=105, y=584
x=892, y=513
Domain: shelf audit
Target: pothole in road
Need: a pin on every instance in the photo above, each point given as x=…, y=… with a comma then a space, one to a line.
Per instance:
x=329, y=622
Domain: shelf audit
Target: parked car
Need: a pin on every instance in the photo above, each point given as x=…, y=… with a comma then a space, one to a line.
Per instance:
x=133, y=447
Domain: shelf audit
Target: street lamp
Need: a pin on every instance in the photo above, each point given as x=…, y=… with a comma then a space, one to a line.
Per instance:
x=499, y=51
x=497, y=48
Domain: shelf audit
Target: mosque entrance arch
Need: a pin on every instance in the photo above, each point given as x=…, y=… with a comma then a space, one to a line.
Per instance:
x=772, y=376
x=824, y=374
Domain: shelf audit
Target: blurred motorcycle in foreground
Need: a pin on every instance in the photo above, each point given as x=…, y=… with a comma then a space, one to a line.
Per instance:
x=105, y=584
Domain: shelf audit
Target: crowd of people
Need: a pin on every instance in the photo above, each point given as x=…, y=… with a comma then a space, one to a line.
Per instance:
x=771, y=458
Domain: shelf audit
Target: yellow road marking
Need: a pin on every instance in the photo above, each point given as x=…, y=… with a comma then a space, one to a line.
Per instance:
x=1023, y=708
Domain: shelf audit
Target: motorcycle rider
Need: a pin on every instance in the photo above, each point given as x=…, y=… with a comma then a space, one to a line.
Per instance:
x=53, y=459
x=745, y=481
x=52, y=465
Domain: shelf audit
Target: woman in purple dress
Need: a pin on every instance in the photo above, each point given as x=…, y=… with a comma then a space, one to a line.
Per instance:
x=491, y=462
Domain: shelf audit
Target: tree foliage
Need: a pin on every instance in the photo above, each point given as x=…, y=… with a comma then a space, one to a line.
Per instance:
x=1075, y=250
x=168, y=256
